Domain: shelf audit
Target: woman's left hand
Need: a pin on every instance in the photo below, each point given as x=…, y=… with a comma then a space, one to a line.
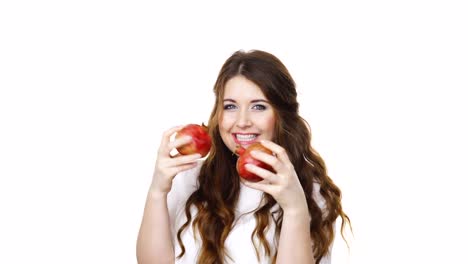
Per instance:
x=283, y=184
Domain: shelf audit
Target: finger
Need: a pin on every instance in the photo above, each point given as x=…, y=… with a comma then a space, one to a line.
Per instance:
x=262, y=173
x=175, y=155
x=178, y=142
x=279, y=151
x=182, y=159
x=184, y=167
x=168, y=133
x=261, y=186
x=167, y=137
x=266, y=158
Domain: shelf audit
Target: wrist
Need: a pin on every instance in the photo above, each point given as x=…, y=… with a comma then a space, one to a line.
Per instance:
x=300, y=210
x=155, y=193
x=297, y=212
x=158, y=189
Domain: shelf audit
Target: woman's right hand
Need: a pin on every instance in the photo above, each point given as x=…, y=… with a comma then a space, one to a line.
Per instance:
x=167, y=166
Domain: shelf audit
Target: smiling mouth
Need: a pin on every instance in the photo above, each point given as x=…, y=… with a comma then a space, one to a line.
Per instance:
x=244, y=139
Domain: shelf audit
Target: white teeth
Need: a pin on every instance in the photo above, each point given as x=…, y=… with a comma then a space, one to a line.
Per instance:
x=245, y=137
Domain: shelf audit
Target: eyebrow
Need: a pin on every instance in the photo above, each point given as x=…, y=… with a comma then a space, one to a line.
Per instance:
x=253, y=101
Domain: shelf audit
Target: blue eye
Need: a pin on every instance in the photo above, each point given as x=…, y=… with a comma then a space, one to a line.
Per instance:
x=229, y=107
x=259, y=107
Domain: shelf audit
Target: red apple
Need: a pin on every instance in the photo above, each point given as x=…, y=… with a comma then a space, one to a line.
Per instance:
x=246, y=158
x=201, y=140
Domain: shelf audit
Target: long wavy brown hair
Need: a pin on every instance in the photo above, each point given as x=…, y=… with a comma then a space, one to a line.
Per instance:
x=218, y=182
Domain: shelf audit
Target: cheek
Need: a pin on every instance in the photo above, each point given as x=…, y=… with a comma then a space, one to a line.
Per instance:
x=269, y=125
x=226, y=122
x=225, y=125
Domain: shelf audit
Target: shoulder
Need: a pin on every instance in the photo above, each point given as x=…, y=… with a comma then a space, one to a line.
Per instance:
x=318, y=198
x=322, y=204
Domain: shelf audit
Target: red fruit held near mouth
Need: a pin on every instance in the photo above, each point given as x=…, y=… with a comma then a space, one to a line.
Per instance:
x=246, y=158
x=201, y=140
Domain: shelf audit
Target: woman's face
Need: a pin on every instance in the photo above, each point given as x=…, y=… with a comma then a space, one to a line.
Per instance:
x=247, y=116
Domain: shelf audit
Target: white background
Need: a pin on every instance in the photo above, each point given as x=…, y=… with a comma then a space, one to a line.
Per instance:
x=87, y=88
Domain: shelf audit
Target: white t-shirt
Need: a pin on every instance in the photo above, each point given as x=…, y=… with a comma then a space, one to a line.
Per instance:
x=238, y=243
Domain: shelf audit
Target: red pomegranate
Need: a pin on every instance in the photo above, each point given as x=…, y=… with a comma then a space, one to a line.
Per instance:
x=201, y=140
x=246, y=158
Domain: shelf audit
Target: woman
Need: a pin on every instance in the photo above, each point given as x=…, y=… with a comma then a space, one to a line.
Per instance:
x=199, y=211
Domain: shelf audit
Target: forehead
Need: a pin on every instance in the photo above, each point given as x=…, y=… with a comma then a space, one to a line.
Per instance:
x=242, y=88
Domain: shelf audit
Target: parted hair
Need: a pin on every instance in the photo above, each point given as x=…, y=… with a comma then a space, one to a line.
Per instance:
x=218, y=184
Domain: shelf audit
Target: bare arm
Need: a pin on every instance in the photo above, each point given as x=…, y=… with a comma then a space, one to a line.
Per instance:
x=295, y=245
x=154, y=243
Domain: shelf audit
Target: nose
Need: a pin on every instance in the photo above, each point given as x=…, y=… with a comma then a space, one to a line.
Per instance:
x=244, y=119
